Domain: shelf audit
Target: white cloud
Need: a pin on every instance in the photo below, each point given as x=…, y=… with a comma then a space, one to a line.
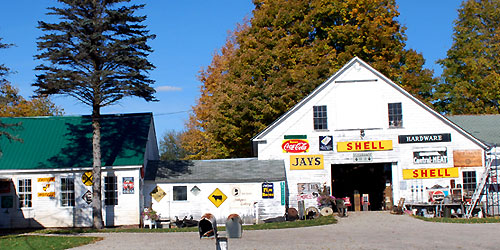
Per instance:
x=168, y=89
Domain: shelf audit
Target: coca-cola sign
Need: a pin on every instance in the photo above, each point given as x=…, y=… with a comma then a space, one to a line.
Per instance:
x=295, y=146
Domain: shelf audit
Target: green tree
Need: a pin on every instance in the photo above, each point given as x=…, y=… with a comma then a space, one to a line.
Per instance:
x=171, y=147
x=97, y=54
x=471, y=73
x=5, y=128
x=285, y=51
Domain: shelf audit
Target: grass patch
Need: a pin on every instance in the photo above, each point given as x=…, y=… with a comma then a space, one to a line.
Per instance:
x=44, y=242
x=323, y=220
x=461, y=220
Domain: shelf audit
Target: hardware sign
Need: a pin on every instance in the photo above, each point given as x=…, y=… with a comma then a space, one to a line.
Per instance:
x=424, y=138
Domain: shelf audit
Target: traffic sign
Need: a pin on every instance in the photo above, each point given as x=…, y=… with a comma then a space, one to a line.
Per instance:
x=87, y=178
x=87, y=197
x=217, y=197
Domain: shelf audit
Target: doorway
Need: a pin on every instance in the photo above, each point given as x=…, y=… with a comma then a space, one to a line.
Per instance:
x=369, y=178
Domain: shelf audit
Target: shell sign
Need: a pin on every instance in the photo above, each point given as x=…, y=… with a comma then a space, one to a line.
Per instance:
x=295, y=146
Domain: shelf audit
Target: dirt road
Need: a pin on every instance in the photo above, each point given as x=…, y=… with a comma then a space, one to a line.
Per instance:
x=361, y=230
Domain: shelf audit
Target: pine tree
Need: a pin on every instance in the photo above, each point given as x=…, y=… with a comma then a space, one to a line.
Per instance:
x=97, y=54
x=471, y=75
x=5, y=128
x=285, y=51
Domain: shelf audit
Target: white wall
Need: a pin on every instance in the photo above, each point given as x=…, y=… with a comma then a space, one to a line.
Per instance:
x=353, y=105
x=247, y=204
x=48, y=211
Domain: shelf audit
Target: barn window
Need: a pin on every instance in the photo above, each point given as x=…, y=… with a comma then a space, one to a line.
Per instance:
x=110, y=191
x=469, y=180
x=180, y=193
x=24, y=192
x=67, y=192
x=320, y=119
x=395, y=115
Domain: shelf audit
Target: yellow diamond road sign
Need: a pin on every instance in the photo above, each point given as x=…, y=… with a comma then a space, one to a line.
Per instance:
x=217, y=197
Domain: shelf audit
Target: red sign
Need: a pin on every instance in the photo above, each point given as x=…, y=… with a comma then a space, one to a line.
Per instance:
x=295, y=146
x=436, y=195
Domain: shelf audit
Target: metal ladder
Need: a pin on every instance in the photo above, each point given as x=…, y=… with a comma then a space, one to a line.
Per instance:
x=478, y=193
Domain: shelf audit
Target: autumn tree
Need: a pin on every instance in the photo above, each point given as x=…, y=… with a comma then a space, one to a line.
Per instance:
x=285, y=51
x=171, y=147
x=12, y=104
x=97, y=54
x=471, y=72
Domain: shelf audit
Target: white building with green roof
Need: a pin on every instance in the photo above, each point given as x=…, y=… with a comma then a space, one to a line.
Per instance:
x=46, y=180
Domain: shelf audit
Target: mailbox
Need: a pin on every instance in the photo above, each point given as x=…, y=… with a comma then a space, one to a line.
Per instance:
x=234, y=226
x=207, y=226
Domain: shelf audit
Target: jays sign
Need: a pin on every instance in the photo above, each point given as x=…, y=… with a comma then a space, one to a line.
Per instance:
x=306, y=162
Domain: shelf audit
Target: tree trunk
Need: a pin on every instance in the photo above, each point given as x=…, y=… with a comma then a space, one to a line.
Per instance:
x=96, y=169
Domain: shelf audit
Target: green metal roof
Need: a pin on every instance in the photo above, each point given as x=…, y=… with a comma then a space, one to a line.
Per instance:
x=484, y=127
x=66, y=141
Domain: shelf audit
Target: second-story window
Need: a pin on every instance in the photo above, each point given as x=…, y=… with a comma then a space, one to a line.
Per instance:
x=395, y=115
x=320, y=119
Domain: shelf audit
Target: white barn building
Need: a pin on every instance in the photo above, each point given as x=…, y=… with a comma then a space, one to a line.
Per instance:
x=361, y=132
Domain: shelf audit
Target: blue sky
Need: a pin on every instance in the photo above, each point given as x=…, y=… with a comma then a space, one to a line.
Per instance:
x=188, y=34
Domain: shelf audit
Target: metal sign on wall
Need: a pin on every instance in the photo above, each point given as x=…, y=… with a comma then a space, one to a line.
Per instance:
x=47, y=187
x=430, y=157
x=326, y=143
x=467, y=158
x=306, y=162
x=430, y=173
x=158, y=193
x=354, y=146
x=267, y=190
x=87, y=178
x=217, y=197
x=362, y=157
x=424, y=138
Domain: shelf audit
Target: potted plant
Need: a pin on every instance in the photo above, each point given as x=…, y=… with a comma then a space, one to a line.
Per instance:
x=150, y=217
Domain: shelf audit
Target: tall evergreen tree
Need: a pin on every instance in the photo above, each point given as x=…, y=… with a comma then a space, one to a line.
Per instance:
x=471, y=75
x=5, y=128
x=285, y=51
x=97, y=54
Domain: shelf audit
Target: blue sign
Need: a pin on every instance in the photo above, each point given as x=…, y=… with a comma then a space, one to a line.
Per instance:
x=267, y=191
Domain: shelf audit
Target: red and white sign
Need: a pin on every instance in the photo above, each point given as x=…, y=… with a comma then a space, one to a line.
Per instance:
x=436, y=195
x=295, y=146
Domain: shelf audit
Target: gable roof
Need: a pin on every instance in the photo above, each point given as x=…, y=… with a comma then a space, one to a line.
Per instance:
x=216, y=171
x=484, y=127
x=332, y=80
x=66, y=141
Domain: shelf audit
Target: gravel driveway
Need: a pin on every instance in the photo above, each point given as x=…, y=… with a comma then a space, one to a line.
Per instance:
x=361, y=230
